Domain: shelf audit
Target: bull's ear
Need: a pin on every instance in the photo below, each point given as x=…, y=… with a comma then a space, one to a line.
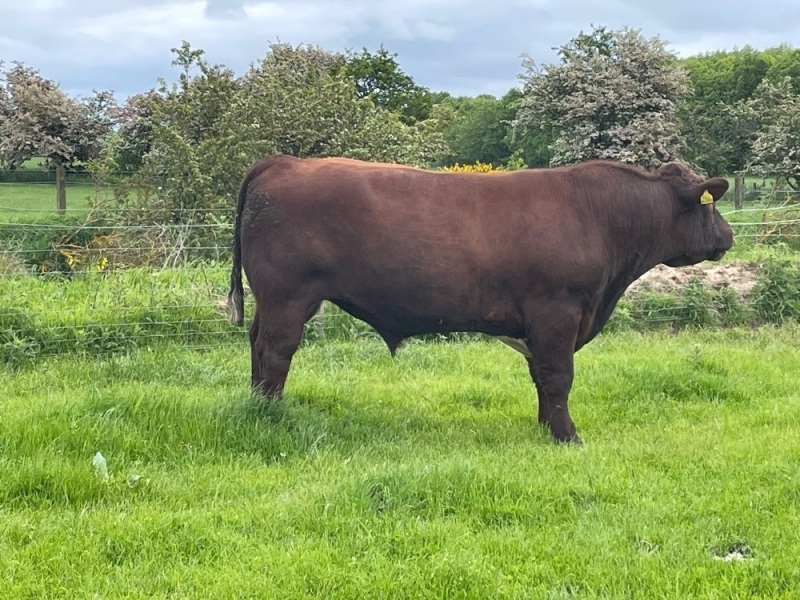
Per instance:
x=710, y=190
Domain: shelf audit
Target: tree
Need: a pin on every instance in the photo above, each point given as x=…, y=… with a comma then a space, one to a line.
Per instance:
x=379, y=77
x=196, y=139
x=200, y=134
x=784, y=61
x=307, y=108
x=776, y=149
x=726, y=76
x=532, y=144
x=719, y=133
x=38, y=119
x=719, y=137
x=478, y=131
x=133, y=138
x=613, y=95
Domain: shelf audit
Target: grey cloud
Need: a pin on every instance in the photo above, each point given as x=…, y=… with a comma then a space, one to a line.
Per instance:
x=225, y=9
x=465, y=47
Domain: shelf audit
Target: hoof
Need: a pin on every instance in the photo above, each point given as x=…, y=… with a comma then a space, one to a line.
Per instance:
x=573, y=439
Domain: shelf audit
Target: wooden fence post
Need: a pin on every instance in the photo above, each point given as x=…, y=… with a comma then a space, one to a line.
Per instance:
x=738, y=191
x=61, y=189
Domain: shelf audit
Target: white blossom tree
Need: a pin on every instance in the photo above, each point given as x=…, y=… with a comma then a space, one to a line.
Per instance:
x=776, y=149
x=613, y=95
x=38, y=119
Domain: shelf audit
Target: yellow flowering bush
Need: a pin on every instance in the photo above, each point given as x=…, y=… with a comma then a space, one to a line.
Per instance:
x=477, y=167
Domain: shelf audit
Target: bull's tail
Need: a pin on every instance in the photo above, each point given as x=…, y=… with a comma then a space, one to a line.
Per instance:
x=236, y=293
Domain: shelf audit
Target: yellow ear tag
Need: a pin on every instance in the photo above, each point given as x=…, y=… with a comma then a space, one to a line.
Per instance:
x=706, y=198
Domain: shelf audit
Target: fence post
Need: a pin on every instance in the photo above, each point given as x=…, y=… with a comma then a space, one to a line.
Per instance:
x=738, y=191
x=61, y=189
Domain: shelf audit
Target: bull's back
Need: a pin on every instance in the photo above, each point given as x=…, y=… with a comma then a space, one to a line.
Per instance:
x=405, y=234
x=388, y=205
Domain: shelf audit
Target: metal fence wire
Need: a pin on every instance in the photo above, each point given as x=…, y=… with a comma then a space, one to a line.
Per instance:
x=82, y=283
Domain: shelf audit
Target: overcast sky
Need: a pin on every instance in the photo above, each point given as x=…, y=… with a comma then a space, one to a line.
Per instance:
x=460, y=46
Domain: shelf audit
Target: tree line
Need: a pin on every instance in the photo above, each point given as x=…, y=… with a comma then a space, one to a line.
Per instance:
x=613, y=94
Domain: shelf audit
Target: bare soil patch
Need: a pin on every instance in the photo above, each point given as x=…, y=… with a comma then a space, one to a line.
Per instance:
x=740, y=276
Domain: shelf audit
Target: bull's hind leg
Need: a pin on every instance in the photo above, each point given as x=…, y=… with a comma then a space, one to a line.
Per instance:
x=274, y=337
x=551, y=341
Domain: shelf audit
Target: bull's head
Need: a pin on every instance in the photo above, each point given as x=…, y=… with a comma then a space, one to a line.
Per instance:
x=698, y=230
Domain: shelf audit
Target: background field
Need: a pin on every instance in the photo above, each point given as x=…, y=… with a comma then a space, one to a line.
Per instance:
x=423, y=476
x=22, y=199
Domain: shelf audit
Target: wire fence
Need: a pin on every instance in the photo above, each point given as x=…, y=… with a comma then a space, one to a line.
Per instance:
x=86, y=283
x=48, y=176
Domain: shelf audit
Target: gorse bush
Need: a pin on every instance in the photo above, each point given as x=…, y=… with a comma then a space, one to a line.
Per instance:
x=43, y=244
x=477, y=167
x=514, y=163
x=108, y=238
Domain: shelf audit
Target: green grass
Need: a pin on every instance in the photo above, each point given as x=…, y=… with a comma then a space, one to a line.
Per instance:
x=100, y=312
x=425, y=476
x=21, y=200
x=96, y=312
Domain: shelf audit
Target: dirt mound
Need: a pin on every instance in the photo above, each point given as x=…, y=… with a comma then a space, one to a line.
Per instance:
x=737, y=275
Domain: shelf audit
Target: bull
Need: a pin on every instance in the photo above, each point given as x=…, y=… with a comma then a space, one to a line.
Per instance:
x=538, y=257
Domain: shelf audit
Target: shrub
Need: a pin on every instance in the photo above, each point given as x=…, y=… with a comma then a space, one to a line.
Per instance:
x=477, y=167
x=44, y=244
x=729, y=307
x=697, y=307
x=776, y=296
x=781, y=224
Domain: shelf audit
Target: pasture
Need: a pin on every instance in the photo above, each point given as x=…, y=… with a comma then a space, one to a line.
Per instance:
x=423, y=476
x=20, y=200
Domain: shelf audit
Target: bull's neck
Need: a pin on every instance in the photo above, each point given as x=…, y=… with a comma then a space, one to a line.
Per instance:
x=640, y=231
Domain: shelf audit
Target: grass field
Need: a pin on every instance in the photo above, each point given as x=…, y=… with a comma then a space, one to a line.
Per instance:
x=425, y=476
x=18, y=200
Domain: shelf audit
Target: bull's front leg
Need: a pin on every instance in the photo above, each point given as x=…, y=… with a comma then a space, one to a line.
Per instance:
x=551, y=341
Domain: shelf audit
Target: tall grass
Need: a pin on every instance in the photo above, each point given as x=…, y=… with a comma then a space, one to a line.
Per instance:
x=98, y=312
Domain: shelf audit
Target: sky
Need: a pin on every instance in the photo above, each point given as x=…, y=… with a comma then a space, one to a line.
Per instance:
x=464, y=47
